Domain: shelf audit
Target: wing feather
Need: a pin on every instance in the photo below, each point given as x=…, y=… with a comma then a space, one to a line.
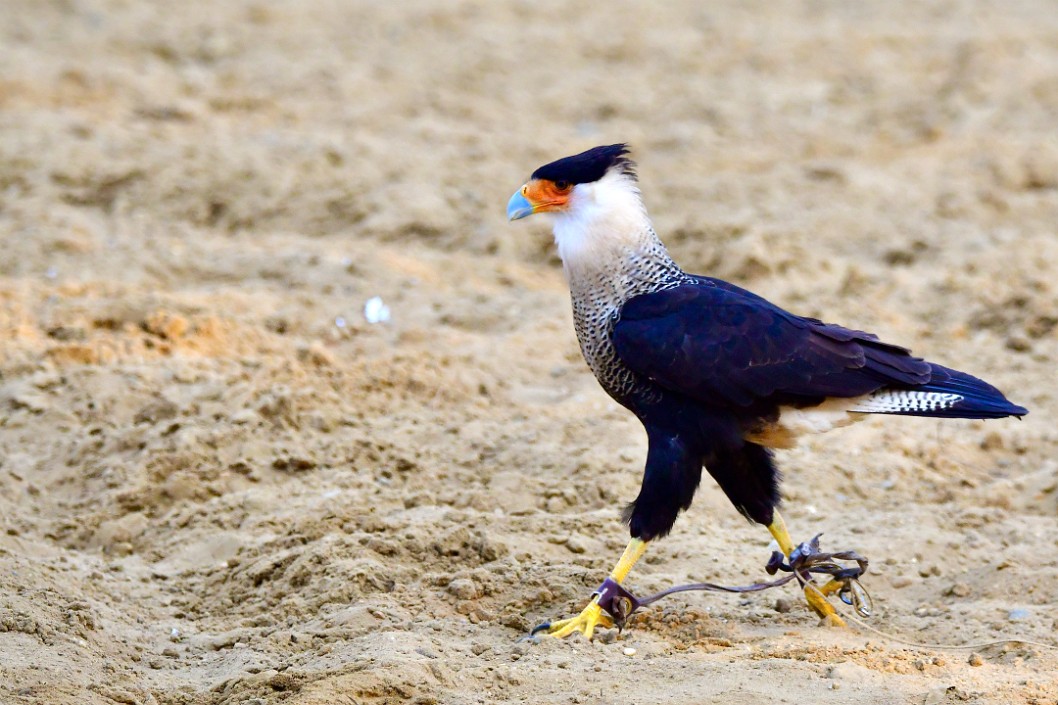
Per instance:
x=722, y=345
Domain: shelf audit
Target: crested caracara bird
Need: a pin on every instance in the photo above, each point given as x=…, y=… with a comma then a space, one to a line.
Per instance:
x=717, y=375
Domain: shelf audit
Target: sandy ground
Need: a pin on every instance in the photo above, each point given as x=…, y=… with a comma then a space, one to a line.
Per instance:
x=220, y=484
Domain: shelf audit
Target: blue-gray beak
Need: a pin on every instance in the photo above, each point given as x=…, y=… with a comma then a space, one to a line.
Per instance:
x=519, y=206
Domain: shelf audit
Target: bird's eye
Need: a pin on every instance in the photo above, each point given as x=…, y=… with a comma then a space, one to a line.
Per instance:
x=562, y=185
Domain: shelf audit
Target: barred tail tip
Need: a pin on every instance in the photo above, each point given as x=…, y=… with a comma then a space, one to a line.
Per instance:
x=949, y=394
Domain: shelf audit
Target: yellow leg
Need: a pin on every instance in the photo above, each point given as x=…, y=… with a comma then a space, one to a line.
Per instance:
x=633, y=552
x=815, y=596
x=777, y=527
x=592, y=615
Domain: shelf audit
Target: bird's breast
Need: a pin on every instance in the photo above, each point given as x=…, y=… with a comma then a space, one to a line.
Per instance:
x=597, y=305
x=594, y=321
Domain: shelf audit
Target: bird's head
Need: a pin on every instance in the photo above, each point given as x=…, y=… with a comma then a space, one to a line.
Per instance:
x=572, y=183
x=599, y=215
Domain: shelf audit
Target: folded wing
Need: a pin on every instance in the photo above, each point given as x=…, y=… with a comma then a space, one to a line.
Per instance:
x=726, y=347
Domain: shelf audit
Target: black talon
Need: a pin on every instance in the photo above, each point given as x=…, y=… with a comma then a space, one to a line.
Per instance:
x=539, y=628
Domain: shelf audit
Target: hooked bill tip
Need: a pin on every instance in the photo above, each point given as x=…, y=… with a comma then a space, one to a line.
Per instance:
x=518, y=207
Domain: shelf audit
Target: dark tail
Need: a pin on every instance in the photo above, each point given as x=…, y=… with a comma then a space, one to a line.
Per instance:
x=980, y=400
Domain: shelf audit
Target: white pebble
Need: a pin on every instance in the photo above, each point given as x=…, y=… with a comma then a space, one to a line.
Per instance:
x=1018, y=613
x=375, y=311
x=629, y=651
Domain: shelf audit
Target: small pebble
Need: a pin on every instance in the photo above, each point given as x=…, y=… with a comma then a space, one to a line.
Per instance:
x=1018, y=613
x=976, y=660
x=629, y=651
x=783, y=605
x=576, y=545
x=375, y=311
x=463, y=588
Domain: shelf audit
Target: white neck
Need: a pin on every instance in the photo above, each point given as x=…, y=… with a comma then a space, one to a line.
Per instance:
x=604, y=225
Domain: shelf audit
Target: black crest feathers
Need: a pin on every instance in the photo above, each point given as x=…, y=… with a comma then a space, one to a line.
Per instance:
x=586, y=167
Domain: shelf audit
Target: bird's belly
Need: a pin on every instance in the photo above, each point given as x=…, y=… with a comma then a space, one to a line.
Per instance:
x=792, y=423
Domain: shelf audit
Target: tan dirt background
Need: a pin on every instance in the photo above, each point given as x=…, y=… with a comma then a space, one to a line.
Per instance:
x=220, y=484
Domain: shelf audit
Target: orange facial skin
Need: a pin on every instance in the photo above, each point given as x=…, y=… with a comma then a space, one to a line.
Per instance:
x=545, y=195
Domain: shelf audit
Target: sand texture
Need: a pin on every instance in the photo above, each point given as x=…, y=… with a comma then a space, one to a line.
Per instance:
x=219, y=483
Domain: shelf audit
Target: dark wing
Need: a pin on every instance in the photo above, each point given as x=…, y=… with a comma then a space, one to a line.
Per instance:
x=725, y=346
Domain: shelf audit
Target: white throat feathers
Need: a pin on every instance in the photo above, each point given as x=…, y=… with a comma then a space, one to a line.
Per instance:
x=604, y=226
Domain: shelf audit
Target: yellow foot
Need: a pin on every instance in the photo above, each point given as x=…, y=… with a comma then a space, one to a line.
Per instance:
x=585, y=622
x=817, y=600
x=593, y=616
